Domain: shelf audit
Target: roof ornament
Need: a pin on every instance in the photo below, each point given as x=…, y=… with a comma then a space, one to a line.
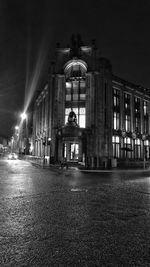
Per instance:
x=76, y=44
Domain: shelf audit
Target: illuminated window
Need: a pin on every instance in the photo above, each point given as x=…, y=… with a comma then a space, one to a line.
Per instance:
x=82, y=117
x=137, y=148
x=127, y=148
x=147, y=149
x=116, y=97
x=145, y=113
x=127, y=112
x=145, y=108
x=127, y=122
x=75, y=68
x=74, y=151
x=116, y=120
x=137, y=114
x=116, y=109
x=116, y=146
x=68, y=91
x=75, y=93
x=80, y=114
x=75, y=90
x=67, y=111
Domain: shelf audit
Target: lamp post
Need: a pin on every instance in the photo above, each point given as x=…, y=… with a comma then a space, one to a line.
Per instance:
x=16, y=138
x=49, y=143
x=143, y=138
x=12, y=143
x=24, y=117
x=16, y=128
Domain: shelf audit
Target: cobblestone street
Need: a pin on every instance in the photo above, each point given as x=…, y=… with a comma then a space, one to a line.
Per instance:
x=70, y=218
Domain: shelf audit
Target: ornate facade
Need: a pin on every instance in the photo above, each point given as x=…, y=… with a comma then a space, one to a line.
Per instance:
x=87, y=115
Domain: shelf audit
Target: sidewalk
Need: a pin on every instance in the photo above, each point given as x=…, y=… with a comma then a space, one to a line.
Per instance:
x=117, y=170
x=45, y=165
x=70, y=168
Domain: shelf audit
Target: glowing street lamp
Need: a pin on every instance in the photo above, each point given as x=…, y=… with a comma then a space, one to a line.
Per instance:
x=16, y=127
x=23, y=116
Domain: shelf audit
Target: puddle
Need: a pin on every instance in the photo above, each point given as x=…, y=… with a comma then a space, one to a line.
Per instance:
x=79, y=190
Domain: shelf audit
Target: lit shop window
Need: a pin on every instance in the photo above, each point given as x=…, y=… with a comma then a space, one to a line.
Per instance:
x=146, y=142
x=127, y=140
x=74, y=148
x=137, y=142
x=116, y=146
x=80, y=114
x=137, y=148
x=127, y=149
x=146, y=149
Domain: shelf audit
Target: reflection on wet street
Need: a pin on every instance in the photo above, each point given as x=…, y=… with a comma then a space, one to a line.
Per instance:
x=71, y=218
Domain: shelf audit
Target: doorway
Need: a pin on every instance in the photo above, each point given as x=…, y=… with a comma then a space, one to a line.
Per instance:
x=71, y=151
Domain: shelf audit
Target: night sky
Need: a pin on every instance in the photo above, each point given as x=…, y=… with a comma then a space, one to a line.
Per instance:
x=29, y=31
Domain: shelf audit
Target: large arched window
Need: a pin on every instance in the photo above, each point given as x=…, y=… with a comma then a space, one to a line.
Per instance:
x=75, y=68
x=75, y=94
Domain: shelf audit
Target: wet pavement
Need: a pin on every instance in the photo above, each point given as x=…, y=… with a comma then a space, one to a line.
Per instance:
x=71, y=218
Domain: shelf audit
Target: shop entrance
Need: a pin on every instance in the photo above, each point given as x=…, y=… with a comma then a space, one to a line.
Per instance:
x=71, y=151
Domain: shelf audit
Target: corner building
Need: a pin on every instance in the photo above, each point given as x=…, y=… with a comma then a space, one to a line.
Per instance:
x=87, y=115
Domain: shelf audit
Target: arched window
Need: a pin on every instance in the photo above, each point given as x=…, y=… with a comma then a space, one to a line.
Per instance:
x=75, y=91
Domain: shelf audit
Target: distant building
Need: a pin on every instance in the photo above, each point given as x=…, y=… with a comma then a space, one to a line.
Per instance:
x=4, y=145
x=86, y=114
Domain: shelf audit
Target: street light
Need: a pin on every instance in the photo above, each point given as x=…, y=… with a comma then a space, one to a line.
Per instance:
x=12, y=143
x=16, y=127
x=23, y=116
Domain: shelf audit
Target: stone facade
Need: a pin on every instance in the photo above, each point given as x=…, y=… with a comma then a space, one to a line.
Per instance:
x=76, y=116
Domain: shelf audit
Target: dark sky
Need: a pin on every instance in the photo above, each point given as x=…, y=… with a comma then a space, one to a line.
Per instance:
x=29, y=31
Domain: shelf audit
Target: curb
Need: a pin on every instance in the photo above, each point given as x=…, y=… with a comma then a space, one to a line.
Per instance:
x=57, y=167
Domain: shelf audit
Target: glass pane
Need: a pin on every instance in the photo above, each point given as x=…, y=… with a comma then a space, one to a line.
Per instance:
x=82, y=121
x=115, y=121
x=75, y=84
x=66, y=119
x=117, y=139
x=75, y=110
x=82, y=84
x=146, y=142
x=68, y=90
x=68, y=84
x=74, y=151
x=128, y=141
x=82, y=96
x=82, y=90
x=67, y=111
x=115, y=101
x=75, y=97
x=68, y=97
x=82, y=111
x=65, y=150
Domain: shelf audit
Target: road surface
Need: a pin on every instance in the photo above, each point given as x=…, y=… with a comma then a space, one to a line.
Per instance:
x=69, y=218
